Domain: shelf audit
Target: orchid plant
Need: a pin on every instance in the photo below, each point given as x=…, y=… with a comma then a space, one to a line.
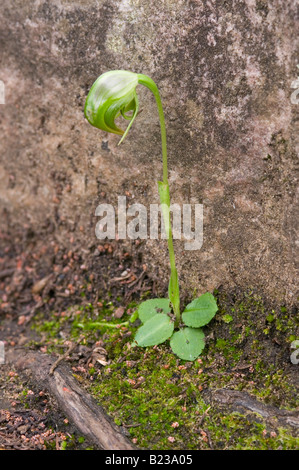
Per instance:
x=113, y=95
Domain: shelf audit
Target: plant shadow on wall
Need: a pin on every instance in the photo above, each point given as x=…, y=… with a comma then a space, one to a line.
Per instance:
x=112, y=95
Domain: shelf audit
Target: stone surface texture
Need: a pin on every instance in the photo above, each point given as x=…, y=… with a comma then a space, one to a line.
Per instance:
x=225, y=72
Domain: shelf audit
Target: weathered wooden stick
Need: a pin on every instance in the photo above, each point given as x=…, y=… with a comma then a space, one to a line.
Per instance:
x=80, y=408
x=242, y=401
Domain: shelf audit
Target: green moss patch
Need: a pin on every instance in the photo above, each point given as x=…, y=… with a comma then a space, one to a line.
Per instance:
x=162, y=402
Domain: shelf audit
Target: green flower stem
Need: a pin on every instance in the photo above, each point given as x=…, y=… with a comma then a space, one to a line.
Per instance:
x=174, y=288
x=150, y=84
x=99, y=324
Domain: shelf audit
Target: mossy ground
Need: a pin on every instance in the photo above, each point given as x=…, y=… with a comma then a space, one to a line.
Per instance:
x=162, y=402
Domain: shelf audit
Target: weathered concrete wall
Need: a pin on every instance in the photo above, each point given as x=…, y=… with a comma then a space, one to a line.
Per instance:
x=224, y=70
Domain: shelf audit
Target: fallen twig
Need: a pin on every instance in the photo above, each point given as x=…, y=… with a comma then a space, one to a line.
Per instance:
x=242, y=401
x=71, y=348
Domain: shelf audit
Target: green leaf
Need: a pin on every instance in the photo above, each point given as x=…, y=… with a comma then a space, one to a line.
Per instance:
x=155, y=331
x=188, y=343
x=200, y=311
x=151, y=307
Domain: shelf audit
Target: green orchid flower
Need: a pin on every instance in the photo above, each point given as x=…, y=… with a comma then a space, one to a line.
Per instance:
x=112, y=94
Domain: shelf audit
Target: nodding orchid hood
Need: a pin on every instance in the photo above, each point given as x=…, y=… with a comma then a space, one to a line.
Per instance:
x=112, y=94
